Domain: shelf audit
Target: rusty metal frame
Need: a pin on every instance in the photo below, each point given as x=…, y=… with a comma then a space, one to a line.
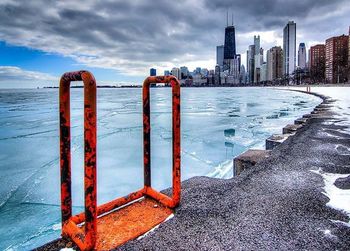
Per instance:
x=87, y=240
x=176, y=133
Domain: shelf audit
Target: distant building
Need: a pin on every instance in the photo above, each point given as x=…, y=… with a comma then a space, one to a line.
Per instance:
x=217, y=79
x=337, y=49
x=153, y=72
x=302, y=56
x=258, y=53
x=198, y=70
x=220, y=55
x=250, y=63
x=263, y=71
x=317, y=62
x=166, y=73
x=289, y=48
x=235, y=68
x=274, y=58
x=176, y=72
x=184, y=73
x=204, y=72
x=243, y=75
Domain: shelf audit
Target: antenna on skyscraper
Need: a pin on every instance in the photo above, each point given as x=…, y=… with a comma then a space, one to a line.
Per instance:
x=227, y=18
x=232, y=18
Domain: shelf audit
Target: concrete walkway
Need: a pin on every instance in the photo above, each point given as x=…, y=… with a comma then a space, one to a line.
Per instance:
x=277, y=205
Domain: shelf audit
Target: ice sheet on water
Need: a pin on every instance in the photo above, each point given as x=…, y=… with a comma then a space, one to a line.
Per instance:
x=29, y=190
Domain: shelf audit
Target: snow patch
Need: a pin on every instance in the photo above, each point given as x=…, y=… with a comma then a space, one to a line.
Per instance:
x=339, y=199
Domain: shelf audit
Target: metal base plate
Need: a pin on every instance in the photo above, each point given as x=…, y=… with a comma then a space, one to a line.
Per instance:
x=129, y=222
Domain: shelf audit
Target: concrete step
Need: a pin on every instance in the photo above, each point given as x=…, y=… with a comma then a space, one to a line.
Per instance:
x=290, y=129
x=275, y=140
x=300, y=121
x=249, y=159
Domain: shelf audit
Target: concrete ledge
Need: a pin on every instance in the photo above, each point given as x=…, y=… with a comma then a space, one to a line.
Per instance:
x=320, y=109
x=307, y=115
x=289, y=129
x=323, y=106
x=249, y=159
x=301, y=121
x=275, y=140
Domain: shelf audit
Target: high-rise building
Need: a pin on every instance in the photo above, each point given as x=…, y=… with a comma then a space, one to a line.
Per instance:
x=232, y=61
x=166, y=73
x=176, y=72
x=250, y=63
x=235, y=68
x=220, y=55
x=289, y=48
x=263, y=71
x=153, y=72
x=243, y=75
x=257, y=58
x=317, y=62
x=302, y=56
x=230, y=43
x=337, y=49
x=274, y=58
x=257, y=44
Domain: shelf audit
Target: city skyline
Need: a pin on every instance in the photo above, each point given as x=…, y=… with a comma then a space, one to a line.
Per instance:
x=119, y=49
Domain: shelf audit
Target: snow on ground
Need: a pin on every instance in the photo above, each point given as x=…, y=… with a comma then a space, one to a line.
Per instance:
x=339, y=199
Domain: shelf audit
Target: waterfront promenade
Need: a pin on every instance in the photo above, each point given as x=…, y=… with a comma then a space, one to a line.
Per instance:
x=282, y=203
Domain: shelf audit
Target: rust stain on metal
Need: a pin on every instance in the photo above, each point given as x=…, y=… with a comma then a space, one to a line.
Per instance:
x=113, y=228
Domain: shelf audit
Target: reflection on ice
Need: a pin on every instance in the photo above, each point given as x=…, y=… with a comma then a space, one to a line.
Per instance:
x=217, y=124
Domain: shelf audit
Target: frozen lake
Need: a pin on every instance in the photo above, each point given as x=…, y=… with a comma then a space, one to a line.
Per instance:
x=217, y=124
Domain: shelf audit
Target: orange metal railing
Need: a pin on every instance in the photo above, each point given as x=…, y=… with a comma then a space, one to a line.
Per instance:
x=86, y=240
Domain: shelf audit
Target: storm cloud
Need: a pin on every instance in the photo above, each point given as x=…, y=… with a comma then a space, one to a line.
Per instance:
x=132, y=36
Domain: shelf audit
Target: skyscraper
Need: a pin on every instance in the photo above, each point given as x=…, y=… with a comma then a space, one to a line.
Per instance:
x=274, y=63
x=257, y=59
x=337, y=59
x=232, y=61
x=289, y=48
x=230, y=43
x=220, y=55
x=302, y=56
x=250, y=63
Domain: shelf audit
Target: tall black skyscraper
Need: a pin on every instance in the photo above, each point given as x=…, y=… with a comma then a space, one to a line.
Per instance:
x=230, y=43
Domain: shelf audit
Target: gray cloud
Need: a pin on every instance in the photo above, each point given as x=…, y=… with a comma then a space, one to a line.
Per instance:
x=10, y=76
x=131, y=36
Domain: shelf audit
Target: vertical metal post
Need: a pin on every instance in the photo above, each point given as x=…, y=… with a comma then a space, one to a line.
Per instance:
x=90, y=183
x=146, y=134
x=176, y=133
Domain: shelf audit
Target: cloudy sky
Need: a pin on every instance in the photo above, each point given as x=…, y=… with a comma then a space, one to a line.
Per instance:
x=120, y=40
